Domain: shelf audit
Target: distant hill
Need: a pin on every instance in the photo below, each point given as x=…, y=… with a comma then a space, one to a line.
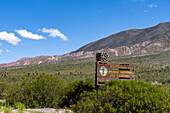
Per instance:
x=134, y=41
x=128, y=38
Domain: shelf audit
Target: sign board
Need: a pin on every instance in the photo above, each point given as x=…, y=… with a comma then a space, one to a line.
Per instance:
x=107, y=71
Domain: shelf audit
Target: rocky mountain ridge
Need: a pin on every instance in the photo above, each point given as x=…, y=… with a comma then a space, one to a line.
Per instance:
x=127, y=42
x=128, y=38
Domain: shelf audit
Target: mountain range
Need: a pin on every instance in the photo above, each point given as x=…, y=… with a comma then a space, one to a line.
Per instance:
x=133, y=41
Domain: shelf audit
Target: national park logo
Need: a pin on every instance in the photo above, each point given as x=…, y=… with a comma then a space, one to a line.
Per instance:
x=103, y=71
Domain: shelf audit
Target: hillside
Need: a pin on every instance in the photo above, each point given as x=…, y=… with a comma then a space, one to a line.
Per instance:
x=148, y=68
x=129, y=42
x=128, y=38
x=87, y=66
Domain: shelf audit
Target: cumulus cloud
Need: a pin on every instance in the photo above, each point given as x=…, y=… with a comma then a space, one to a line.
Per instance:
x=153, y=5
x=54, y=33
x=0, y=51
x=9, y=37
x=30, y=35
x=0, y=44
x=7, y=51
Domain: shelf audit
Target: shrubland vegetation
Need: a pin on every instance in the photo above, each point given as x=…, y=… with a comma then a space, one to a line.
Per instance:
x=71, y=84
x=36, y=91
x=123, y=97
x=81, y=96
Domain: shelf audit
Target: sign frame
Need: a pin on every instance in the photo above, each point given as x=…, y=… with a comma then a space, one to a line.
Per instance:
x=115, y=71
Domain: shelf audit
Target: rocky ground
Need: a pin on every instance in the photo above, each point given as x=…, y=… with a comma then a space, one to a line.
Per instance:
x=43, y=110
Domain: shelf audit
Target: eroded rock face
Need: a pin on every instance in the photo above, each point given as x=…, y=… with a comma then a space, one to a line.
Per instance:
x=160, y=44
x=124, y=50
x=137, y=47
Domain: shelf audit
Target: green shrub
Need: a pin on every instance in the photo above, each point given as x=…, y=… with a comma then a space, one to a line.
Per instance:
x=35, y=92
x=7, y=108
x=124, y=96
x=3, y=86
x=19, y=106
x=73, y=91
x=1, y=104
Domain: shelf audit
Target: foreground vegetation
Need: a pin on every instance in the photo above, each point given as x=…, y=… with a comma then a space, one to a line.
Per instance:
x=71, y=84
x=81, y=96
x=123, y=96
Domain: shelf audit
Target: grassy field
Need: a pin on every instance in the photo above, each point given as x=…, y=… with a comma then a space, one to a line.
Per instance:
x=149, y=68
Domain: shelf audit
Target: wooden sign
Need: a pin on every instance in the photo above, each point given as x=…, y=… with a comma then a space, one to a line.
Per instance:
x=107, y=71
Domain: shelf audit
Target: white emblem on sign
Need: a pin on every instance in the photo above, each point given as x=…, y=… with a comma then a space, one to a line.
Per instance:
x=103, y=71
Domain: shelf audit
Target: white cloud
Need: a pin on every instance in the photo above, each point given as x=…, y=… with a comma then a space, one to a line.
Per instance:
x=153, y=5
x=30, y=35
x=9, y=37
x=0, y=44
x=7, y=51
x=0, y=51
x=54, y=33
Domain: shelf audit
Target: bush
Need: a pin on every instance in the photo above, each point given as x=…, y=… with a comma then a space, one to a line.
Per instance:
x=7, y=108
x=73, y=91
x=124, y=96
x=19, y=106
x=2, y=89
x=35, y=92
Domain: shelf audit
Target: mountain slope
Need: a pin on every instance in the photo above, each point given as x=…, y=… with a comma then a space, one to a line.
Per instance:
x=134, y=41
x=128, y=38
x=159, y=44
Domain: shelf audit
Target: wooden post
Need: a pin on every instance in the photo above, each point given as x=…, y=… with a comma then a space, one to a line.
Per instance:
x=96, y=86
x=99, y=57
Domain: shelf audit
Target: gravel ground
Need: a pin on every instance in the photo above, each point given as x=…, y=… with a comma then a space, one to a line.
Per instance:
x=44, y=110
x=41, y=110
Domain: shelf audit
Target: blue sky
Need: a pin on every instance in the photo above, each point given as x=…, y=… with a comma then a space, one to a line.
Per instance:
x=31, y=28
